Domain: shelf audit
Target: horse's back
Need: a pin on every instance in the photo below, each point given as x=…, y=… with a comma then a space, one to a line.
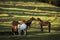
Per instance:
x=45, y=23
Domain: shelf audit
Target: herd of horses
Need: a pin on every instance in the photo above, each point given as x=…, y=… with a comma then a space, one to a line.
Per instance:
x=28, y=23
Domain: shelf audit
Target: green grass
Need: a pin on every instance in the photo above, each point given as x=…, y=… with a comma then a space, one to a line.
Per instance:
x=25, y=10
x=37, y=37
x=33, y=34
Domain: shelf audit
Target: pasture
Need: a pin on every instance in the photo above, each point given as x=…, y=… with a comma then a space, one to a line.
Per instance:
x=10, y=11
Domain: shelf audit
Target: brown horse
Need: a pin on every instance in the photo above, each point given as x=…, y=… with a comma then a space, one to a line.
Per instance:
x=47, y=23
x=15, y=27
x=28, y=22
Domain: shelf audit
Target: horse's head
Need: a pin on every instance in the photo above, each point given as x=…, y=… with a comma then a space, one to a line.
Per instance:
x=38, y=19
x=32, y=18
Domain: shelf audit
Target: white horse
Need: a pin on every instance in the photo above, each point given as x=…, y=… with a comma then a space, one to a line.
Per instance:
x=22, y=28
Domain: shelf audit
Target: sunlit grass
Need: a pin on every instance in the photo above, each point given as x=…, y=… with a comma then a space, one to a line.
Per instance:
x=35, y=10
x=39, y=4
x=33, y=4
x=34, y=33
x=44, y=18
x=4, y=14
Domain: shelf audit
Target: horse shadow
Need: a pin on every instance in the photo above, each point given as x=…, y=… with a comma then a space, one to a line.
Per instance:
x=36, y=32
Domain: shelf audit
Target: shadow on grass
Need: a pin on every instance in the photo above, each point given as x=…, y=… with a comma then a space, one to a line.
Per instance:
x=38, y=37
x=56, y=9
x=5, y=30
x=19, y=0
x=8, y=36
x=45, y=37
x=57, y=28
x=6, y=33
x=22, y=7
x=36, y=32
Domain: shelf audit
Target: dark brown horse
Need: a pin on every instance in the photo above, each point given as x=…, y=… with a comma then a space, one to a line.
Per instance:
x=15, y=27
x=28, y=22
x=47, y=23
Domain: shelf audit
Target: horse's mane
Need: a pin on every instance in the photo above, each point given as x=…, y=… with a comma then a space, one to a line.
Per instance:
x=40, y=20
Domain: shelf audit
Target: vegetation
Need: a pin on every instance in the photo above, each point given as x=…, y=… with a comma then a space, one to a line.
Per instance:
x=19, y=10
x=54, y=2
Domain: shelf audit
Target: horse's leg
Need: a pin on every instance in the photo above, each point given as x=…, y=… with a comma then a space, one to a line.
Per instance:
x=29, y=27
x=41, y=28
x=16, y=32
x=19, y=31
x=22, y=32
x=49, y=25
x=26, y=31
x=13, y=31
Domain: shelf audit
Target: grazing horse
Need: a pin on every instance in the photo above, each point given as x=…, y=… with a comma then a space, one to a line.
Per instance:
x=15, y=27
x=47, y=23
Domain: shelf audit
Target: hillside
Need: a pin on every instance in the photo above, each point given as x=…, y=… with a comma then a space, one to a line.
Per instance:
x=14, y=10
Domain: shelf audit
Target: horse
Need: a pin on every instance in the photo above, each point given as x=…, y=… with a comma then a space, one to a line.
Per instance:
x=46, y=23
x=28, y=22
x=22, y=28
x=15, y=27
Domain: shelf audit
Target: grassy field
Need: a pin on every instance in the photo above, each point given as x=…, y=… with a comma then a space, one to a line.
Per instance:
x=10, y=11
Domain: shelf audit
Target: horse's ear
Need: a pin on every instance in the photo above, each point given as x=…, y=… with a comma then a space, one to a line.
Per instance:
x=38, y=18
x=32, y=17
